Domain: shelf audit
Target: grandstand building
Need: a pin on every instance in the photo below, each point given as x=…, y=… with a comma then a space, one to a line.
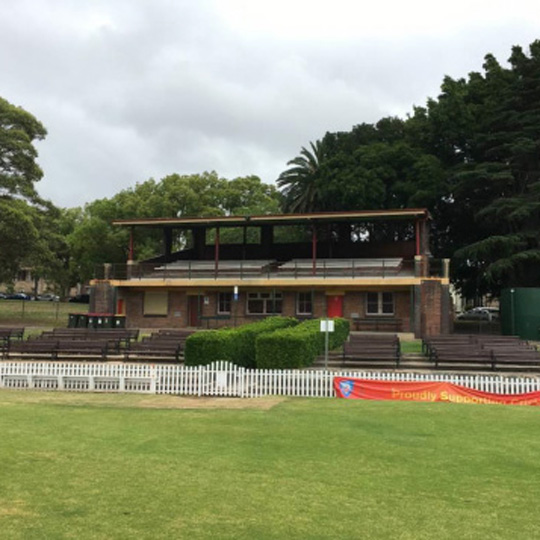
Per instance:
x=371, y=267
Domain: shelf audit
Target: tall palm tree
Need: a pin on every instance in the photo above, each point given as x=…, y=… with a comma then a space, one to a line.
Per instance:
x=301, y=183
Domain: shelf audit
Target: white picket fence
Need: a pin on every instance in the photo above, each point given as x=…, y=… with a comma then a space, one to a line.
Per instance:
x=222, y=379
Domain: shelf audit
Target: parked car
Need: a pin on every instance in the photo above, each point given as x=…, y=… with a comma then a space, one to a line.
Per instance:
x=80, y=299
x=48, y=297
x=19, y=296
x=3, y=296
x=480, y=313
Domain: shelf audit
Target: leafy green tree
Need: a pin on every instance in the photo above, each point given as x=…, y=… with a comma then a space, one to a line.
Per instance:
x=20, y=206
x=94, y=241
x=18, y=234
x=501, y=181
x=18, y=168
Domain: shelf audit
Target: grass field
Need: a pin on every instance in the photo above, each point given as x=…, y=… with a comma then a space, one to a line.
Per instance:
x=130, y=466
x=43, y=314
x=411, y=346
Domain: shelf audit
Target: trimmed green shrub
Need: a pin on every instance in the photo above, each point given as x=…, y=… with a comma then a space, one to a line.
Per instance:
x=236, y=345
x=243, y=342
x=203, y=348
x=299, y=346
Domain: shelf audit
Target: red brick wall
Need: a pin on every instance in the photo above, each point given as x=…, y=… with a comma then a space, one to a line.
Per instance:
x=355, y=303
x=177, y=316
x=431, y=308
x=178, y=311
x=102, y=298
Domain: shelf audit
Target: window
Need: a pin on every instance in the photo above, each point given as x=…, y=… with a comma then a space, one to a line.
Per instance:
x=264, y=303
x=224, y=302
x=304, y=303
x=24, y=275
x=380, y=303
x=156, y=303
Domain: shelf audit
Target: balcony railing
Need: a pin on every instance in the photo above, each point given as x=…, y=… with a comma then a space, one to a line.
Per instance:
x=295, y=269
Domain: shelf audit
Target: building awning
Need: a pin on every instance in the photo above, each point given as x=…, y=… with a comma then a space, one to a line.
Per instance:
x=278, y=219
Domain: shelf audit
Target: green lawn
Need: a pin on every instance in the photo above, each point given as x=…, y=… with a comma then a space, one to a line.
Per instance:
x=107, y=466
x=411, y=346
x=32, y=313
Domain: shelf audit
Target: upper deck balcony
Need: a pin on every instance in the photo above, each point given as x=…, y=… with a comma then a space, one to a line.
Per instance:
x=296, y=270
x=362, y=247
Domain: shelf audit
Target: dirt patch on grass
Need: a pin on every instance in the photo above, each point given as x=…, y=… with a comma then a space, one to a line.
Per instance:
x=14, y=509
x=177, y=402
x=162, y=401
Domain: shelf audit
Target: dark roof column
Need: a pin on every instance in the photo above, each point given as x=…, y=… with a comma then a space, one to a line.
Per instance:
x=267, y=239
x=199, y=241
x=167, y=243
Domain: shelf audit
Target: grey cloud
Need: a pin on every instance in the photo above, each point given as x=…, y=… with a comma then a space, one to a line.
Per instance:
x=133, y=89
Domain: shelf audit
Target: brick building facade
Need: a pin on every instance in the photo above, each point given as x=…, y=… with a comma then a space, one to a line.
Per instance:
x=377, y=285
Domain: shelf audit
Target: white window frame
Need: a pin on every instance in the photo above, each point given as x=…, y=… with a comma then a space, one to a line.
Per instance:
x=380, y=303
x=267, y=298
x=229, y=301
x=298, y=301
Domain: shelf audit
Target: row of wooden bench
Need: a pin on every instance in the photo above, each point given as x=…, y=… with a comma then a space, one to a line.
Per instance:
x=101, y=344
x=10, y=334
x=367, y=350
x=163, y=345
x=491, y=352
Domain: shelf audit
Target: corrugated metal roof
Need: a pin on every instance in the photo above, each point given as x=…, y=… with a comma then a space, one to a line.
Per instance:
x=281, y=219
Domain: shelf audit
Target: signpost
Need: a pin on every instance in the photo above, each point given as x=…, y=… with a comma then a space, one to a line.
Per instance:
x=327, y=325
x=235, y=302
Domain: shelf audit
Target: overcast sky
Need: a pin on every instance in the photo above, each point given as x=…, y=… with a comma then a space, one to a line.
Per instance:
x=133, y=89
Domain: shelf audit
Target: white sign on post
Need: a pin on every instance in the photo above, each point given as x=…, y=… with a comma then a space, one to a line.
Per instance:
x=327, y=325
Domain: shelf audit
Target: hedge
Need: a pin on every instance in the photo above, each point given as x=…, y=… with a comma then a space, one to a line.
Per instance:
x=236, y=345
x=243, y=343
x=203, y=348
x=299, y=346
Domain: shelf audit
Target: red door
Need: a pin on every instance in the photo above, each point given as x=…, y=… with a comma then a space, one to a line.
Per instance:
x=195, y=310
x=334, y=306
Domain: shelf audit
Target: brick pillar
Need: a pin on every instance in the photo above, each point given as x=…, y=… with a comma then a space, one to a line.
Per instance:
x=446, y=309
x=418, y=266
x=431, y=306
x=102, y=298
x=417, y=311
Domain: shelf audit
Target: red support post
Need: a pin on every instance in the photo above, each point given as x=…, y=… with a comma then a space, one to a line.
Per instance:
x=314, y=248
x=417, y=235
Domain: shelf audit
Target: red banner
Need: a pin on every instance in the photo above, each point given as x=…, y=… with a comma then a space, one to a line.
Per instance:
x=426, y=391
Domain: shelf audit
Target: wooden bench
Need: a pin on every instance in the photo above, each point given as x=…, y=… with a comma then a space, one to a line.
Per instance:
x=494, y=352
x=388, y=324
x=124, y=335
x=43, y=349
x=463, y=357
x=370, y=348
x=165, y=350
x=79, y=348
x=8, y=333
